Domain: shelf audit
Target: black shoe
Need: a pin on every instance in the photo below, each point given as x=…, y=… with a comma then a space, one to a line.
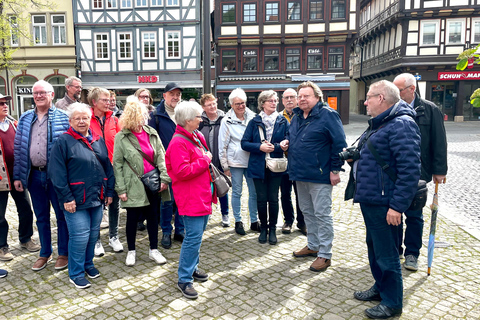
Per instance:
x=140, y=226
x=303, y=229
x=188, y=290
x=166, y=241
x=262, y=238
x=178, y=237
x=382, y=312
x=368, y=295
x=199, y=275
x=239, y=228
x=272, y=236
x=255, y=226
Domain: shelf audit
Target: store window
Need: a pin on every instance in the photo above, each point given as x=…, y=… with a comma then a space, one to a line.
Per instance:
x=250, y=60
x=271, y=11
x=335, y=58
x=338, y=9
x=271, y=59
x=228, y=13
x=316, y=9
x=249, y=12
x=314, y=58
x=293, y=10
x=229, y=58
x=58, y=84
x=293, y=59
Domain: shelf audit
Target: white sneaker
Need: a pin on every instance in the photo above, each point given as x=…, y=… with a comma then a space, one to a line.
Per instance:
x=104, y=223
x=225, y=222
x=130, y=258
x=99, y=251
x=155, y=255
x=115, y=244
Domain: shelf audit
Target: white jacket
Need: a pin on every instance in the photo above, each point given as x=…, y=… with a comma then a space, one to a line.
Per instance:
x=230, y=135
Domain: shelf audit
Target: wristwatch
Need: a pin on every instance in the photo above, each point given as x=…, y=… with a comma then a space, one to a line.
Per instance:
x=335, y=171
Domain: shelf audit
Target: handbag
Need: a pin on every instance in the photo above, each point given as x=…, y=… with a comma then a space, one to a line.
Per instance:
x=274, y=164
x=151, y=179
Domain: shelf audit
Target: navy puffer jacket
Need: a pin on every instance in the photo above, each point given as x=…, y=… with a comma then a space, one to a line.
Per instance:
x=160, y=121
x=57, y=125
x=251, y=142
x=396, y=138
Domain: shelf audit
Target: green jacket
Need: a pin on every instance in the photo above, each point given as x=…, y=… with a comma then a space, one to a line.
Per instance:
x=126, y=181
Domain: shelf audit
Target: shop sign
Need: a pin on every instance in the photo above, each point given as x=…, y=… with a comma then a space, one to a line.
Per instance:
x=147, y=79
x=459, y=76
x=332, y=102
x=21, y=90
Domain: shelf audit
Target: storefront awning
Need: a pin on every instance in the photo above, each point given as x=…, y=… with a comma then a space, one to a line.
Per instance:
x=302, y=78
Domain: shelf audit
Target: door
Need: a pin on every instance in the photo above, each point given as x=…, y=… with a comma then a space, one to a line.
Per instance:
x=25, y=103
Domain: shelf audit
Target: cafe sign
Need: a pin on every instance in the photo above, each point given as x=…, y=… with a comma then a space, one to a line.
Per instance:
x=448, y=76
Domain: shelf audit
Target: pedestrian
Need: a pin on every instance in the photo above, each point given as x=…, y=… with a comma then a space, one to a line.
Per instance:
x=144, y=96
x=73, y=86
x=37, y=130
x=82, y=176
x=273, y=127
x=234, y=159
x=117, y=112
x=8, y=126
x=393, y=133
x=429, y=119
x=289, y=99
x=210, y=128
x=315, y=137
x=137, y=149
x=163, y=120
x=188, y=161
x=106, y=125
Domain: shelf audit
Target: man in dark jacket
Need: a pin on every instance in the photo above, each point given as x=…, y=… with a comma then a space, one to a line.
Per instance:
x=393, y=133
x=315, y=137
x=163, y=120
x=433, y=148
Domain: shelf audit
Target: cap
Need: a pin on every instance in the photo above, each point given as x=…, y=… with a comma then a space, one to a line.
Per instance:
x=172, y=86
x=5, y=97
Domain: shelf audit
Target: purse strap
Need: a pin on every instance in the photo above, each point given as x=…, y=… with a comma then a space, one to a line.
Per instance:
x=134, y=171
x=144, y=155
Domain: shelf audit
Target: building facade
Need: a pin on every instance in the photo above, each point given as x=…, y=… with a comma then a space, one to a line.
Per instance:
x=277, y=44
x=422, y=37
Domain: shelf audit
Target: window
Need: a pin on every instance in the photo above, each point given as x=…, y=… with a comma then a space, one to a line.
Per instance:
x=293, y=11
x=97, y=4
x=111, y=4
x=149, y=45
x=229, y=58
x=58, y=29
x=316, y=9
x=141, y=3
x=249, y=60
x=228, y=13
x=172, y=2
x=13, y=30
x=314, y=58
x=476, y=31
x=271, y=11
x=102, y=46
x=338, y=9
x=249, y=12
x=271, y=59
x=429, y=32
x=126, y=3
x=293, y=59
x=156, y=3
x=173, y=44
x=335, y=58
x=124, y=46
x=455, y=32
x=39, y=30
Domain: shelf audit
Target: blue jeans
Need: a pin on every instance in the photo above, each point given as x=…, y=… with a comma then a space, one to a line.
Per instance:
x=113, y=210
x=413, y=233
x=224, y=205
x=42, y=195
x=83, y=227
x=237, y=184
x=167, y=210
x=382, y=243
x=190, y=252
x=315, y=200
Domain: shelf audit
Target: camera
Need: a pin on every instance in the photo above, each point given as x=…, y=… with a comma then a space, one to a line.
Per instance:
x=349, y=153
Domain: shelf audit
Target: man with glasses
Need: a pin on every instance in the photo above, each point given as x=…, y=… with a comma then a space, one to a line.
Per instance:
x=37, y=130
x=429, y=119
x=289, y=100
x=73, y=93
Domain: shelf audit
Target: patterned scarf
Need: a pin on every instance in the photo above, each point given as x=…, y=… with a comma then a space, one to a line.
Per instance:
x=269, y=122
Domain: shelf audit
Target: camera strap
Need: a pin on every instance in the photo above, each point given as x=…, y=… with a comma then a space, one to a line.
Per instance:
x=385, y=167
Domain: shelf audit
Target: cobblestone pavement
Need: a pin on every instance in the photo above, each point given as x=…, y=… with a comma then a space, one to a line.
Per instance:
x=249, y=280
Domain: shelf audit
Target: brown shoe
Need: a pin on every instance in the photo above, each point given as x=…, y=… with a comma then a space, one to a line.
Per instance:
x=62, y=263
x=320, y=264
x=305, y=252
x=41, y=263
x=31, y=246
x=5, y=254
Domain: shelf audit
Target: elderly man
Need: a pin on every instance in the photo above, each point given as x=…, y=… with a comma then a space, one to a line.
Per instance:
x=315, y=137
x=73, y=94
x=163, y=120
x=37, y=130
x=8, y=126
x=289, y=100
x=390, y=144
x=433, y=149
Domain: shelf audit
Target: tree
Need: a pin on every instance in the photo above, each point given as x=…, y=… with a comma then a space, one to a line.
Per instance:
x=467, y=59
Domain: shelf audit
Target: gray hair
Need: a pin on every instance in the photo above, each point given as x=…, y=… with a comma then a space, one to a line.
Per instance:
x=69, y=81
x=264, y=96
x=290, y=89
x=187, y=110
x=408, y=78
x=78, y=107
x=389, y=91
x=237, y=93
x=47, y=86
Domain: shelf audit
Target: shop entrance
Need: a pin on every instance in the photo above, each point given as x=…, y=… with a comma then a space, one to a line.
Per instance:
x=444, y=96
x=469, y=112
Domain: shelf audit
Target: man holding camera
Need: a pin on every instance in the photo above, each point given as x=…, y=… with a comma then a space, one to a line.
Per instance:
x=393, y=138
x=433, y=148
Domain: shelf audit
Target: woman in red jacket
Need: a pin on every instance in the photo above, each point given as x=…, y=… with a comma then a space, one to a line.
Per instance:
x=187, y=160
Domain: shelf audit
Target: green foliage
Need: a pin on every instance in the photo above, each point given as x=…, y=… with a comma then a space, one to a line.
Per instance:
x=466, y=55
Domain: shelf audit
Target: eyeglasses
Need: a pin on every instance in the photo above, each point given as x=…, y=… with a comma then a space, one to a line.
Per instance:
x=289, y=97
x=304, y=97
x=77, y=87
x=104, y=100
x=41, y=93
x=84, y=119
x=144, y=97
x=372, y=95
x=3, y=103
x=271, y=101
x=238, y=104
x=401, y=90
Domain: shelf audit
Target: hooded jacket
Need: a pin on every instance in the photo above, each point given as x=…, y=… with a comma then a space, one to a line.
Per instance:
x=207, y=128
x=396, y=138
x=107, y=130
x=160, y=121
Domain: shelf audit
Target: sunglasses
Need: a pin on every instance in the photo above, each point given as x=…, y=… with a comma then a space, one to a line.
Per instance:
x=3, y=104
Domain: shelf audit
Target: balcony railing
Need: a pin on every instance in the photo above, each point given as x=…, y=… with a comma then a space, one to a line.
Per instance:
x=380, y=18
x=377, y=63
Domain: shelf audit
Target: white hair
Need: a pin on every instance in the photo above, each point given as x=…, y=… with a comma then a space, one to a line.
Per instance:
x=78, y=107
x=237, y=93
x=47, y=86
x=187, y=110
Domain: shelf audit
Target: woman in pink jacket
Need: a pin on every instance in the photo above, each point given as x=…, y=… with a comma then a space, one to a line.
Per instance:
x=187, y=160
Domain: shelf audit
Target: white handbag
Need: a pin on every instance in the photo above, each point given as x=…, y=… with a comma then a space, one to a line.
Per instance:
x=274, y=164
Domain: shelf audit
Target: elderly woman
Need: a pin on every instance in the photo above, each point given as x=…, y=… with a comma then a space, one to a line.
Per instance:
x=137, y=149
x=82, y=176
x=234, y=160
x=188, y=161
x=274, y=128
x=210, y=127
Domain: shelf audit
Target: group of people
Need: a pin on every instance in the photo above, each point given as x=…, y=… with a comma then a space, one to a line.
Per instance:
x=181, y=140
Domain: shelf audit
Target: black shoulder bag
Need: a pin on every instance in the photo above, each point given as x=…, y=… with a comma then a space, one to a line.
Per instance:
x=151, y=179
